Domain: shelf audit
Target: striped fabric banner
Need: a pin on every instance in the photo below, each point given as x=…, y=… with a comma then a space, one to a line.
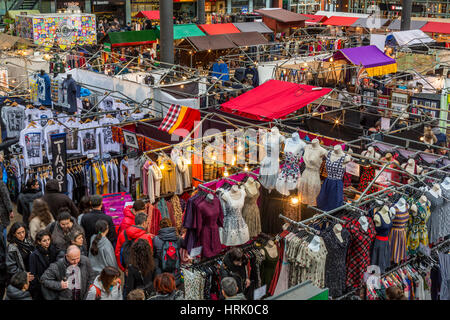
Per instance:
x=181, y=118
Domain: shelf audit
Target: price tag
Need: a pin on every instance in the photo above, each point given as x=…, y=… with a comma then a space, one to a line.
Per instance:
x=195, y=251
x=385, y=123
x=352, y=168
x=384, y=178
x=260, y=292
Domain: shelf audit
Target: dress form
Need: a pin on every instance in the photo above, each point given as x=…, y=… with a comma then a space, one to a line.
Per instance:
x=314, y=245
x=270, y=165
x=371, y=153
x=364, y=223
x=252, y=186
x=271, y=248
x=385, y=214
x=337, y=228
x=436, y=190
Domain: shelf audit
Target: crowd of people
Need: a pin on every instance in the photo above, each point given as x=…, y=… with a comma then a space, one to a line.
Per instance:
x=63, y=252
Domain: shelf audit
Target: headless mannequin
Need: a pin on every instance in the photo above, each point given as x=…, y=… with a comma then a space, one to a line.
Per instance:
x=364, y=223
x=446, y=183
x=338, y=153
x=271, y=248
x=401, y=205
x=314, y=149
x=423, y=201
x=235, y=193
x=294, y=145
x=252, y=186
x=337, y=231
x=385, y=214
x=409, y=167
x=371, y=153
x=436, y=190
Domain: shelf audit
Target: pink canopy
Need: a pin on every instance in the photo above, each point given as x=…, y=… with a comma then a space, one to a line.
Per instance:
x=273, y=99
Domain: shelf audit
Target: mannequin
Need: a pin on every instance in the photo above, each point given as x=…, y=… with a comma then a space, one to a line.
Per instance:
x=250, y=211
x=411, y=167
x=371, y=153
x=289, y=175
x=436, y=190
x=423, y=201
x=385, y=214
x=337, y=231
x=271, y=248
x=338, y=153
x=252, y=186
x=364, y=223
x=268, y=265
x=270, y=164
x=235, y=192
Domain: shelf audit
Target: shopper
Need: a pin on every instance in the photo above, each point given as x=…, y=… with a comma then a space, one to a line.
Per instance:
x=166, y=289
x=60, y=230
x=395, y=293
x=77, y=239
x=167, y=246
x=40, y=217
x=89, y=219
x=25, y=200
x=141, y=269
x=3, y=270
x=106, y=286
x=101, y=252
x=84, y=206
x=40, y=259
x=57, y=200
x=18, y=288
x=230, y=289
x=128, y=236
x=136, y=294
x=68, y=278
x=234, y=266
x=6, y=210
x=19, y=250
x=129, y=214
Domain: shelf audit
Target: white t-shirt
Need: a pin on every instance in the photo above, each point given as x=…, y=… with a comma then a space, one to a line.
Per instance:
x=31, y=139
x=106, y=136
x=89, y=138
x=49, y=130
x=72, y=136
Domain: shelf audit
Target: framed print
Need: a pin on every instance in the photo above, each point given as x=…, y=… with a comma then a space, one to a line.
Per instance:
x=130, y=139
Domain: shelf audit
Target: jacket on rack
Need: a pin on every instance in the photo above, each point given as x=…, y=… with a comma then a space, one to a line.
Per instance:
x=133, y=233
x=56, y=200
x=90, y=219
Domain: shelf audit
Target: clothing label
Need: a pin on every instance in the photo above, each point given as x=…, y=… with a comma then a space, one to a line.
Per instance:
x=195, y=251
x=352, y=168
x=385, y=123
x=260, y=292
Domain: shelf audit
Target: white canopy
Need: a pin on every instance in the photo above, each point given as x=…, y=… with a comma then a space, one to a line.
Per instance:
x=411, y=37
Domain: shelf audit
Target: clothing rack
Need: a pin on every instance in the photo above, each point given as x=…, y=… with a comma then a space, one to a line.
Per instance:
x=298, y=223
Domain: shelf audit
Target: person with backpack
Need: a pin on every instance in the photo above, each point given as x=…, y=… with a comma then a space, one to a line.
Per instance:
x=101, y=252
x=128, y=237
x=167, y=246
x=106, y=286
x=140, y=271
x=129, y=214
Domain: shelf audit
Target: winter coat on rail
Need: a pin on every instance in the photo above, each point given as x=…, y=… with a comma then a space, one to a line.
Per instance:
x=57, y=200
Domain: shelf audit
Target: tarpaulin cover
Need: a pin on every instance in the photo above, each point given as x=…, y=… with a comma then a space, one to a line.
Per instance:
x=215, y=42
x=370, y=23
x=181, y=31
x=273, y=99
x=219, y=28
x=151, y=15
x=314, y=18
x=340, y=21
x=410, y=37
x=415, y=24
x=282, y=15
x=132, y=38
x=437, y=27
x=247, y=38
x=368, y=56
x=252, y=27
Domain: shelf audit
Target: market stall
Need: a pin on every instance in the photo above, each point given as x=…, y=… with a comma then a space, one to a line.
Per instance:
x=282, y=21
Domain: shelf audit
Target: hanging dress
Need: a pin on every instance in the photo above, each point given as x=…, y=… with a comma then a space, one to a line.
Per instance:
x=331, y=194
x=397, y=235
x=250, y=212
x=418, y=232
x=290, y=173
x=309, y=187
x=366, y=177
x=437, y=223
x=235, y=230
x=381, y=251
x=445, y=224
x=268, y=268
x=270, y=165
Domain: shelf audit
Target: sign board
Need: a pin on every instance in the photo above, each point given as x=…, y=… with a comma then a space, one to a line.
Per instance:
x=384, y=178
x=352, y=168
x=59, y=159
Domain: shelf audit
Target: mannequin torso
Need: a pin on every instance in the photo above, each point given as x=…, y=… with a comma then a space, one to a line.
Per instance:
x=338, y=153
x=337, y=231
x=252, y=186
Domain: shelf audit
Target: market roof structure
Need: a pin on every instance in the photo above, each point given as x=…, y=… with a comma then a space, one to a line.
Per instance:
x=150, y=15
x=415, y=24
x=312, y=18
x=273, y=99
x=252, y=26
x=281, y=15
x=219, y=28
x=409, y=37
x=182, y=31
x=371, y=23
x=214, y=42
x=340, y=21
x=436, y=27
x=132, y=38
x=341, y=14
x=7, y=41
x=247, y=38
x=371, y=58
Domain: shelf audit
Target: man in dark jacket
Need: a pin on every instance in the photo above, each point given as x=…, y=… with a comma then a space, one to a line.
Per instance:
x=57, y=200
x=6, y=210
x=26, y=198
x=18, y=288
x=61, y=230
x=90, y=219
x=166, y=233
x=70, y=276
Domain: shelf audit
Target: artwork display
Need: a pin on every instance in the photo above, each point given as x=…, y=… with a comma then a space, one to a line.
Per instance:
x=64, y=29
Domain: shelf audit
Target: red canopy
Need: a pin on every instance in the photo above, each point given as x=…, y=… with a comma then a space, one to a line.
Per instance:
x=273, y=99
x=150, y=15
x=219, y=28
x=437, y=27
x=340, y=21
x=312, y=18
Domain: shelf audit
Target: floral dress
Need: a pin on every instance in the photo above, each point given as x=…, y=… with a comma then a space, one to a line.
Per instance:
x=417, y=229
x=290, y=173
x=235, y=230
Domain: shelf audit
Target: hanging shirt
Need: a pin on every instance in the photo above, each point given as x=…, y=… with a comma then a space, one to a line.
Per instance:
x=14, y=119
x=48, y=131
x=44, y=92
x=106, y=137
x=89, y=141
x=72, y=136
x=69, y=90
x=31, y=139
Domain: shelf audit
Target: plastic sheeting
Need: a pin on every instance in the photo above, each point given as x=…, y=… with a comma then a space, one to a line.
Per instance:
x=411, y=37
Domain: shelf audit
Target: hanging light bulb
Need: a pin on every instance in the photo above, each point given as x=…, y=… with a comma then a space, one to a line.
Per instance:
x=239, y=148
x=162, y=166
x=246, y=167
x=336, y=121
x=294, y=200
x=225, y=173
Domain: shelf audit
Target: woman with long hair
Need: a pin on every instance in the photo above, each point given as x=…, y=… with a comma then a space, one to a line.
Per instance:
x=141, y=269
x=106, y=286
x=40, y=217
x=19, y=250
x=40, y=259
x=84, y=207
x=101, y=252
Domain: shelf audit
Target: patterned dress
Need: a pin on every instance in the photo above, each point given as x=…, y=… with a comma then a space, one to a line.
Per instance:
x=417, y=231
x=397, y=235
x=367, y=175
x=250, y=212
x=331, y=194
x=310, y=180
x=290, y=173
x=235, y=230
x=358, y=254
x=437, y=224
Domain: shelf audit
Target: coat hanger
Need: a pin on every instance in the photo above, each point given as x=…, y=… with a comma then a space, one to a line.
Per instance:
x=32, y=124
